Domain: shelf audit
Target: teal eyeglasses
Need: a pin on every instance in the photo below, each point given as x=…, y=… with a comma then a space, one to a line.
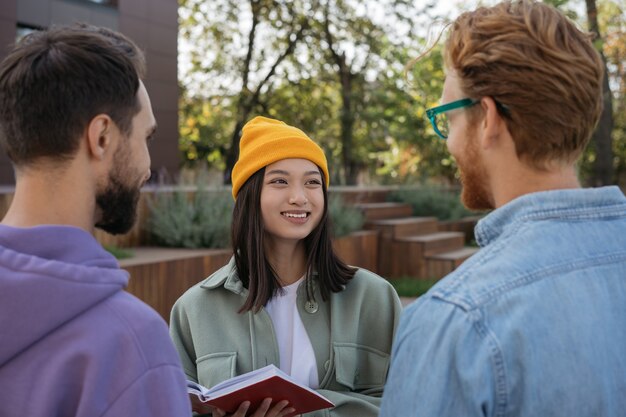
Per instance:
x=438, y=118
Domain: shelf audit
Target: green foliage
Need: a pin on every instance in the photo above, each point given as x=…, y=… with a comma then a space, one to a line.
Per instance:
x=612, y=27
x=431, y=201
x=413, y=153
x=391, y=140
x=411, y=287
x=612, y=22
x=222, y=68
x=201, y=219
x=564, y=6
x=345, y=219
x=317, y=118
x=230, y=51
x=119, y=253
x=205, y=125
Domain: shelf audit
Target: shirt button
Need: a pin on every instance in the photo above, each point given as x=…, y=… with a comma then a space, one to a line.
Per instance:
x=311, y=307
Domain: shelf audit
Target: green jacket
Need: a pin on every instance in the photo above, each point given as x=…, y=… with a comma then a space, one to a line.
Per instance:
x=351, y=336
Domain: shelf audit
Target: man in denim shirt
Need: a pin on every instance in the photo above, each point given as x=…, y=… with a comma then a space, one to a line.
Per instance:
x=535, y=323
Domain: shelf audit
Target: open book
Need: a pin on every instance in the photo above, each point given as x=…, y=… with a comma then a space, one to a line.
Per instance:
x=255, y=386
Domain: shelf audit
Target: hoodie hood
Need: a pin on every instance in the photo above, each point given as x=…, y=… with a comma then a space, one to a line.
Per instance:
x=48, y=276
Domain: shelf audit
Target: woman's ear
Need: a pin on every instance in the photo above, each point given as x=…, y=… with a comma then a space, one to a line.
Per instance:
x=99, y=136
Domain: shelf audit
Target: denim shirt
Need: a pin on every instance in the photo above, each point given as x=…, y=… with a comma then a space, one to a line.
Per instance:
x=534, y=324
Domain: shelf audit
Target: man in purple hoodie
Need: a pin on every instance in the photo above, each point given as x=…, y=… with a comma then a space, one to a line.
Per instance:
x=75, y=120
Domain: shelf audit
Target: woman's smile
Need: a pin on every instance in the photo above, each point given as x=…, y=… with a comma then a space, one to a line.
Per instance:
x=296, y=216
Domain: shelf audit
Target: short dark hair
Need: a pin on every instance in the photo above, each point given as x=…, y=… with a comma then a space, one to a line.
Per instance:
x=253, y=268
x=54, y=82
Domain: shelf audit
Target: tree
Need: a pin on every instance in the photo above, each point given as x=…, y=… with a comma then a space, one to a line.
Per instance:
x=310, y=102
x=224, y=40
x=598, y=163
x=411, y=151
x=347, y=71
x=204, y=124
x=354, y=35
x=602, y=172
x=612, y=23
x=281, y=66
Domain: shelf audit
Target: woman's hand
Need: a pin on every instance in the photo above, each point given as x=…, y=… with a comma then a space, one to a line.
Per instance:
x=280, y=409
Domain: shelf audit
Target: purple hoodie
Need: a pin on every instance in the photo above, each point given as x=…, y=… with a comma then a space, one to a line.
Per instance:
x=72, y=341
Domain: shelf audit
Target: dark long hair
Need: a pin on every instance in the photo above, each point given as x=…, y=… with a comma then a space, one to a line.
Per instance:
x=253, y=268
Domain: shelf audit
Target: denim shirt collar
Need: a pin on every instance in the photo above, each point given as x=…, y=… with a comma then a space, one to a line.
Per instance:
x=545, y=204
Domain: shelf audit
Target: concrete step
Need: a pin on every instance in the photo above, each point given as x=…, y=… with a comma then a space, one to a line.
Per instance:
x=402, y=227
x=377, y=211
x=441, y=264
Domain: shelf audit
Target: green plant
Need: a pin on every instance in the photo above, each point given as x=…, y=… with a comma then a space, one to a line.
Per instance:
x=345, y=219
x=119, y=253
x=431, y=201
x=411, y=287
x=200, y=220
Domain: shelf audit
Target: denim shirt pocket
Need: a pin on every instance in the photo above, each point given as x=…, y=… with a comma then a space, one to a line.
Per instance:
x=216, y=367
x=360, y=367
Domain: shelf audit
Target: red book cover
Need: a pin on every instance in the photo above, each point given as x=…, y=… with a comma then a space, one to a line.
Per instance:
x=255, y=386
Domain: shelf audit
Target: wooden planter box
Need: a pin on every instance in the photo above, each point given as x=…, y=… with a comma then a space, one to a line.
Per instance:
x=359, y=249
x=138, y=236
x=159, y=276
x=6, y=195
x=465, y=225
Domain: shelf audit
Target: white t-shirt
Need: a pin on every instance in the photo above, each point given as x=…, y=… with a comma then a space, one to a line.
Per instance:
x=294, y=346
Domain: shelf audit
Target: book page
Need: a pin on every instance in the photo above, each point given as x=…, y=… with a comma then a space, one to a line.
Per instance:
x=245, y=379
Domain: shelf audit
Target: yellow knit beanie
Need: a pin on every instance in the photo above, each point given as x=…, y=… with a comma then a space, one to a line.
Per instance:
x=265, y=141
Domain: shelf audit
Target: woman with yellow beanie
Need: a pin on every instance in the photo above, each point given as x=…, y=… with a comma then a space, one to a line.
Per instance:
x=285, y=298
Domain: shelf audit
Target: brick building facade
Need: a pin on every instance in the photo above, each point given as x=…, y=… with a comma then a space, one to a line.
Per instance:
x=152, y=24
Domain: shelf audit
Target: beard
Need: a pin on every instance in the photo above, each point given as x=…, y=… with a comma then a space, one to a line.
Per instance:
x=118, y=205
x=475, y=194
